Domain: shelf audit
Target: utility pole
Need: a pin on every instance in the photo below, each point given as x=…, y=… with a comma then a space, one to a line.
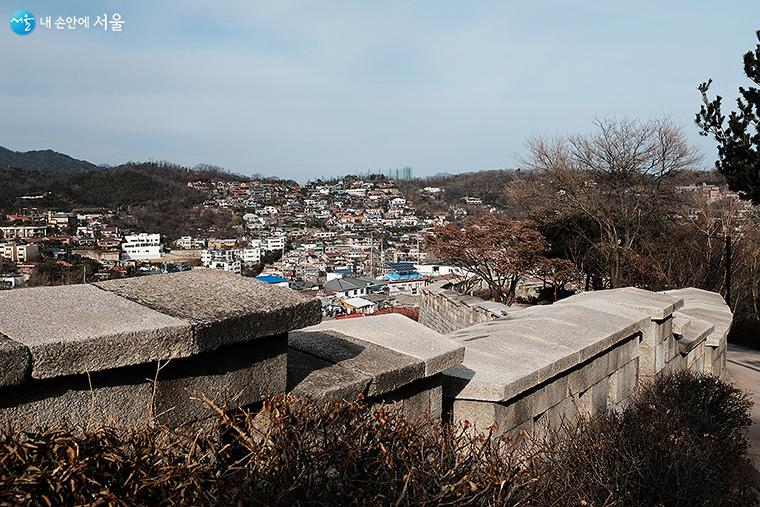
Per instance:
x=728, y=269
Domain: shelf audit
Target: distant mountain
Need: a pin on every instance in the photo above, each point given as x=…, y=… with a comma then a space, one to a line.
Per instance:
x=442, y=175
x=43, y=160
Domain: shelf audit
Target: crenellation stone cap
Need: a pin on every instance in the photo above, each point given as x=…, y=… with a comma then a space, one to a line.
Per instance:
x=403, y=335
x=387, y=370
x=689, y=331
x=55, y=331
x=389, y=350
x=311, y=376
x=80, y=328
x=707, y=306
x=657, y=305
x=222, y=307
x=506, y=357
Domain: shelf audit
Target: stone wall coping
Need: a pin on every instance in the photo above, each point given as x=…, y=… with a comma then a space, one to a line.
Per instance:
x=390, y=350
x=49, y=332
x=403, y=335
x=223, y=308
x=312, y=376
x=690, y=332
x=657, y=305
x=16, y=361
x=506, y=357
x=707, y=306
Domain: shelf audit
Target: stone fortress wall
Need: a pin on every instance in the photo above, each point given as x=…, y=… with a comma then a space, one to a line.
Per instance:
x=538, y=367
x=446, y=310
x=148, y=349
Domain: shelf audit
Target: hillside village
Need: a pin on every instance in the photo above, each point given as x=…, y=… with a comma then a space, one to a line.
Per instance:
x=356, y=243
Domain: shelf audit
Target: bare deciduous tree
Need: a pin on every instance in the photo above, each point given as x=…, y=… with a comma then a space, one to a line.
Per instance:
x=606, y=187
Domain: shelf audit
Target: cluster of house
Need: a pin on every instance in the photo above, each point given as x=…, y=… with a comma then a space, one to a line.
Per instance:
x=304, y=233
x=356, y=243
x=28, y=236
x=741, y=208
x=398, y=287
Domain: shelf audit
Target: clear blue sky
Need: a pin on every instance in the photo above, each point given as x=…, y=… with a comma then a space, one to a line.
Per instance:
x=311, y=88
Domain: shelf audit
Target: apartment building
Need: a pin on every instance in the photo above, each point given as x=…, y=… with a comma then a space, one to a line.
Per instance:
x=19, y=253
x=141, y=246
x=225, y=260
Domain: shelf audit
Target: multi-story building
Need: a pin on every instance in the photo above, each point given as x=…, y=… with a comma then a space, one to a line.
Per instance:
x=251, y=255
x=403, y=277
x=62, y=220
x=19, y=253
x=191, y=243
x=273, y=244
x=141, y=246
x=225, y=260
x=23, y=231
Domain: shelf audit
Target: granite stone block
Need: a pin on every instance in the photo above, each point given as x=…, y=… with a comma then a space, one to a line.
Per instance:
x=80, y=328
x=222, y=307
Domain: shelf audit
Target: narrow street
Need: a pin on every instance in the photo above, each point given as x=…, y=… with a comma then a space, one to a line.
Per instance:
x=744, y=370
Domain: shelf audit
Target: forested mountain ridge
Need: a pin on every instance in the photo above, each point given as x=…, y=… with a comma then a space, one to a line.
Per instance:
x=43, y=160
x=155, y=194
x=125, y=185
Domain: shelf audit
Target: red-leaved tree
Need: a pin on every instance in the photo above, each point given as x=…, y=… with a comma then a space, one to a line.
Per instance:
x=497, y=250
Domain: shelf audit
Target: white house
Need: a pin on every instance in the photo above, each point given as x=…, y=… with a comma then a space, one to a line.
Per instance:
x=252, y=254
x=273, y=244
x=191, y=243
x=142, y=247
x=224, y=260
x=23, y=231
x=359, y=305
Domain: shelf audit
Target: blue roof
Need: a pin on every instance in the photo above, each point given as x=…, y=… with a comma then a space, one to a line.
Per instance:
x=396, y=277
x=271, y=279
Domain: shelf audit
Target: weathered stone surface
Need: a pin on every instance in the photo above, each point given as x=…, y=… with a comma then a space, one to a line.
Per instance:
x=403, y=335
x=387, y=369
x=623, y=383
x=223, y=308
x=690, y=331
x=710, y=307
x=479, y=414
x=693, y=295
x=657, y=305
x=508, y=356
x=420, y=400
x=722, y=322
x=80, y=328
x=104, y=398
x=599, y=396
x=235, y=375
x=129, y=397
x=311, y=376
x=16, y=362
